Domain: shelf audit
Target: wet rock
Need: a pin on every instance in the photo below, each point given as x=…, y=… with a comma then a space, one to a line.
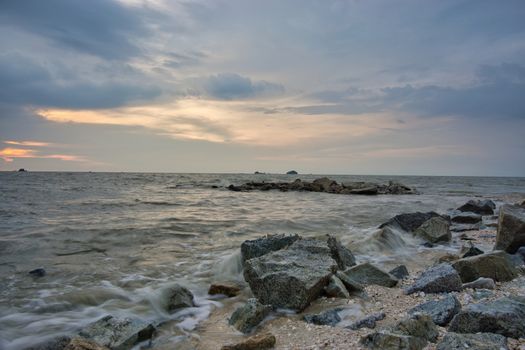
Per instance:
x=368, y=322
x=367, y=273
x=434, y=230
x=118, y=334
x=229, y=289
x=447, y=258
x=441, y=311
x=396, y=188
x=437, y=279
x=341, y=254
x=368, y=191
x=40, y=272
x=351, y=285
x=325, y=318
x=248, y=316
x=418, y=325
x=511, y=229
x=521, y=253
x=505, y=316
x=496, y=265
x=388, y=238
x=336, y=289
x=481, y=283
x=409, y=222
x=465, y=218
x=78, y=343
x=479, y=341
x=58, y=343
x=325, y=184
x=178, y=297
x=399, y=272
x=384, y=340
x=255, y=342
x=258, y=247
x=470, y=251
x=293, y=277
x=483, y=207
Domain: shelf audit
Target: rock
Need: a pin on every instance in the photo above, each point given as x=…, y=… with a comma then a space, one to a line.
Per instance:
x=293, y=277
x=397, y=188
x=521, y=253
x=481, y=283
x=325, y=318
x=511, y=229
x=418, y=325
x=370, y=191
x=368, y=321
x=78, y=343
x=341, y=254
x=248, y=316
x=351, y=285
x=465, y=227
x=258, y=247
x=384, y=340
x=447, y=258
x=40, y=272
x=505, y=316
x=367, y=273
x=496, y=265
x=437, y=279
x=479, y=341
x=466, y=218
x=409, y=222
x=399, y=272
x=441, y=311
x=471, y=251
x=388, y=238
x=255, y=342
x=178, y=297
x=325, y=184
x=118, y=334
x=292, y=172
x=336, y=289
x=479, y=294
x=225, y=288
x=483, y=207
x=58, y=343
x=434, y=230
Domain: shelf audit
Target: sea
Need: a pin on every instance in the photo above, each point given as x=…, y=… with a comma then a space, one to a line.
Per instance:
x=114, y=243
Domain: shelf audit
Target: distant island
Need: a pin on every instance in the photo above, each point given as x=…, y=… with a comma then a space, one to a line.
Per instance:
x=292, y=172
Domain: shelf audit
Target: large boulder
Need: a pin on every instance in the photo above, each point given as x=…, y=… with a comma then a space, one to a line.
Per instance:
x=478, y=341
x=437, y=279
x=248, y=316
x=118, y=334
x=441, y=311
x=483, y=207
x=258, y=247
x=342, y=255
x=293, y=277
x=367, y=273
x=400, y=272
x=465, y=218
x=434, y=230
x=511, y=228
x=409, y=222
x=336, y=289
x=505, y=316
x=496, y=265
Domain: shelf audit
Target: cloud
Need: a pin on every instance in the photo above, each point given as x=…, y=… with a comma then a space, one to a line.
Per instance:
x=231, y=86
x=28, y=143
x=8, y=154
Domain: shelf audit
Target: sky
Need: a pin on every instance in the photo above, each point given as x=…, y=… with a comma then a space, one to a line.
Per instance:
x=403, y=87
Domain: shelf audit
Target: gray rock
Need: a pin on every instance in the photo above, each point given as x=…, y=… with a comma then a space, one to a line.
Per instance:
x=118, y=334
x=293, y=277
x=399, y=272
x=255, y=342
x=479, y=294
x=336, y=289
x=409, y=222
x=79, y=343
x=505, y=316
x=481, y=283
x=58, y=343
x=368, y=322
x=178, y=297
x=479, y=341
x=369, y=191
x=342, y=255
x=384, y=340
x=434, y=230
x=258, y=247
x=291, y=172
x=483, y=207
x=325, y=318
x=417, y=325
x=325, y=183
x=367, y=273
x=511, y=229
x=441, y=311
x=248, y=316
x=437, y=279
x=465, y=218
x=521, y=254
x=351, y=285
x=470, y=251
x=496, y=265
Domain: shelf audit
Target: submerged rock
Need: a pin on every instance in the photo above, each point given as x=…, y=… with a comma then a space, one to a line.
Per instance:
x=230, y=289
x=58, y=343
x=483, y=207
x=437, y=279
x=368, y=322
x=481, y=283
x=78, y=343
x=434, y=230
x=367, y=273
x=325, y=318
x=400, y=272
x=478, y=341
x=336, y=289
x=248, y=316
x=118, y=334
x=511, y=228
x=409, y=222
x=441, y=311
x=496, y=265
x=505, y=316
x=255, y=342
x=258, y=247
x=178, y=297
x=39, y=272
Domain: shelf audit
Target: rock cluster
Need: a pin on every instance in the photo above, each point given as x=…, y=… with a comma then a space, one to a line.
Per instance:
x=430, y=227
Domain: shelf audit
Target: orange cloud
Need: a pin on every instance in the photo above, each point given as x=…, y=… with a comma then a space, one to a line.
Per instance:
x=28, y=143
x=9, y=154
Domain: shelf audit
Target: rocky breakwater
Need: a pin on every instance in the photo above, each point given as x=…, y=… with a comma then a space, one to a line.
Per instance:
x=327, y=185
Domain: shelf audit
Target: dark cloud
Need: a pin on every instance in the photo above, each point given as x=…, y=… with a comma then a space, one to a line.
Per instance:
x=28, y=82
x=230, y=86
x=98, y=27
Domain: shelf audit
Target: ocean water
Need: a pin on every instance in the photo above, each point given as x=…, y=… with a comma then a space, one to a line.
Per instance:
x=112, y=243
